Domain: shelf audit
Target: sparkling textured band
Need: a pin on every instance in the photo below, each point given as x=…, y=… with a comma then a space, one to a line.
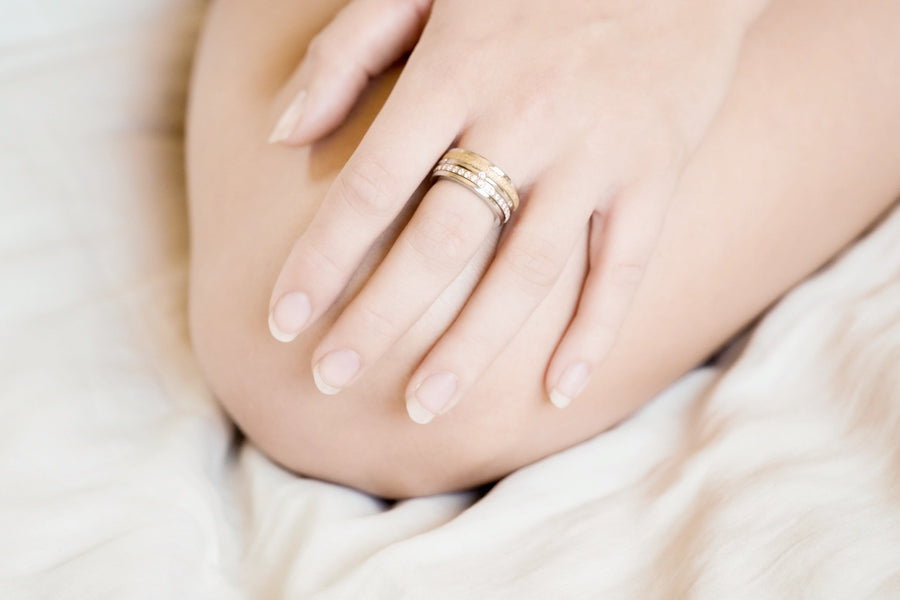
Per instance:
x=480, y=164
x=484, y=178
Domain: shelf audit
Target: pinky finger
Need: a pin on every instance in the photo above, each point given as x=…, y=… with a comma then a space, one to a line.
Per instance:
x=619, y=252
x=360, y=43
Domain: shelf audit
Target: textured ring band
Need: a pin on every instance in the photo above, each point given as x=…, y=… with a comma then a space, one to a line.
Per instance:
x=483, y=187
x=484, y=178
x=481, y=164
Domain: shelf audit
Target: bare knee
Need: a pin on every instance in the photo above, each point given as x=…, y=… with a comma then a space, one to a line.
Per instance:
x=363, y=437
x=244, y=216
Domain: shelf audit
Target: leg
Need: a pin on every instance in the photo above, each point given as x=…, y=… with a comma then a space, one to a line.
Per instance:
x=801, y=159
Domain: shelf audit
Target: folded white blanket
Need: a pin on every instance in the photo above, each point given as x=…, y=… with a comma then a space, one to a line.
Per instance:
x=775, y=474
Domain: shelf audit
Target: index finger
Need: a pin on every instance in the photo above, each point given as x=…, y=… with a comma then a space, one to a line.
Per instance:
x=404, y=141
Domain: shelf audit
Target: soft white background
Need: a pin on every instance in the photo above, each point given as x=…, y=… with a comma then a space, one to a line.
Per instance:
x=775, y=474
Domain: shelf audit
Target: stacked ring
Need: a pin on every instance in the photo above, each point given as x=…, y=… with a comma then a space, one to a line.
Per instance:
x=481, y=176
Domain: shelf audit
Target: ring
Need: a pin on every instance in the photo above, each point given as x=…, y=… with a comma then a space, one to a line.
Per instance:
x=484, y=178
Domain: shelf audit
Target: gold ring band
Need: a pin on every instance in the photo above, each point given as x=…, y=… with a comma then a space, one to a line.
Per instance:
x=488, y=181
x=481, y=164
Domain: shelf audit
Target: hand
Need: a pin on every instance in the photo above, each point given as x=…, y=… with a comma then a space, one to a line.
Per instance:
x=592, y=107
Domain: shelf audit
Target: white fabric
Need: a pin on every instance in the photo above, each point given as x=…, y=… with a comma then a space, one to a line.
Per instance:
x=775, y=477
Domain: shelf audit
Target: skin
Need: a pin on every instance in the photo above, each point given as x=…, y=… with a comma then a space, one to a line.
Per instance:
x=801, y=157
x=601, y=105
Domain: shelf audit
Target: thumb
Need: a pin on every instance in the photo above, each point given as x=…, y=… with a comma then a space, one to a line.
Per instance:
x=364, y=39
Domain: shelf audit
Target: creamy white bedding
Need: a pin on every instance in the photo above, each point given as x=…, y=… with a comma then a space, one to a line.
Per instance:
x=775, y=474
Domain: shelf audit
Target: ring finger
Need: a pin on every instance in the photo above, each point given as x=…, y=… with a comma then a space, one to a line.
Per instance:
x=524, y=271
x=446, y=231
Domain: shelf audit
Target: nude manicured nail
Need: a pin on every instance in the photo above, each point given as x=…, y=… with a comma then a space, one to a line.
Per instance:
x=570, y=384
x=289, y=119
x=289, y=316
x=432, y=397
x=335, y=370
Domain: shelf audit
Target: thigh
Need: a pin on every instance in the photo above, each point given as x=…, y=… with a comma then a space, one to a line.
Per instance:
x=802, y=157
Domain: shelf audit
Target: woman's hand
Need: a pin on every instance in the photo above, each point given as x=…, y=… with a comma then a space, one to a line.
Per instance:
x=591, y=106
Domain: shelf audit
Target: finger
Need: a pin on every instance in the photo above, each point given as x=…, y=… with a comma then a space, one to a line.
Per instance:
x=364, y=39
x=620, y=250
x=396, y=154
x=446, y=231
x=526, y=267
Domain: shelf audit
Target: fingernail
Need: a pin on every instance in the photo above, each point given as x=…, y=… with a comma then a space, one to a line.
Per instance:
x=289, y=315
x=290, y=119
x=335, y=370
x=573, y=380
x=432, y=397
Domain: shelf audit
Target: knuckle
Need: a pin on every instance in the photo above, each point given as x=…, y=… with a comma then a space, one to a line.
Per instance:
x=376, y=323
x=419, y=8
x=627, y=275
x=320, y=49
x=478, y=347
x=364, y=188
x=602, y=336
x=452, y=71
x=536, y=264
x=442, y=240
x=319, y=261
x=533, y=105
x=597, y=136
x=328, y=50
x=445, y=77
